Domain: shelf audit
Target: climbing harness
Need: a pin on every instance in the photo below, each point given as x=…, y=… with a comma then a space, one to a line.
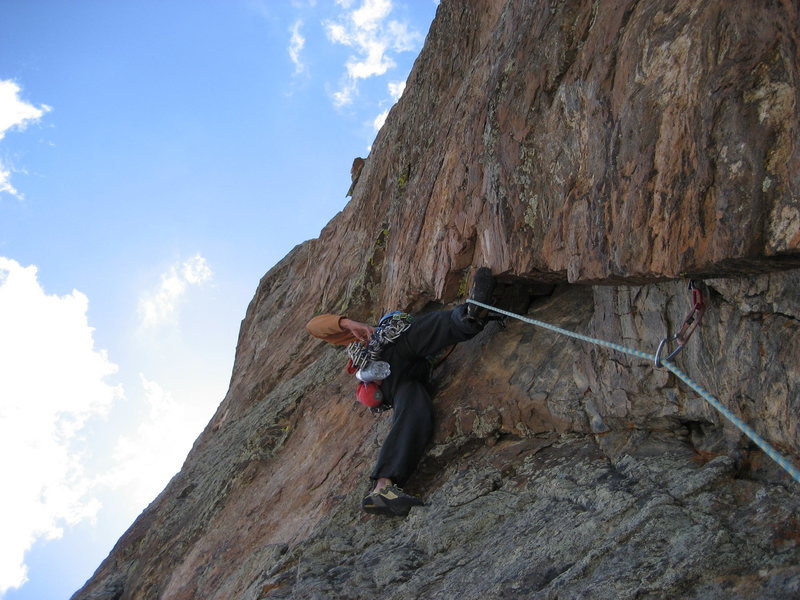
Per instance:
x=690, y=323
x=782, y=461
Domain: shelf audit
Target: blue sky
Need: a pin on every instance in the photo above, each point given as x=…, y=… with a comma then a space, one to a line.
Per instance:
x=157, y=157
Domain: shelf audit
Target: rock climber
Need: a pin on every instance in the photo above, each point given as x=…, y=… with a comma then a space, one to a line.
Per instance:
x=391, y=362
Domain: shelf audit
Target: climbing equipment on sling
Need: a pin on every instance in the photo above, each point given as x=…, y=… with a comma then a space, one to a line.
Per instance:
x=690, y=324
x=390, y=327
x=364, y=360
x=377, y=370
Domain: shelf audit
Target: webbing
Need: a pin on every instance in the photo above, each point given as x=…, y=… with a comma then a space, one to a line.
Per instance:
x=741, y=425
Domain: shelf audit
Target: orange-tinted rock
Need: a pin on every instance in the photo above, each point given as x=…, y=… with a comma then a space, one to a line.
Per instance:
x=579, y=142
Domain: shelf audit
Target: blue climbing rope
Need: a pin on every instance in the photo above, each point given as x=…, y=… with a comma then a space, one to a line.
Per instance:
x=741, y=425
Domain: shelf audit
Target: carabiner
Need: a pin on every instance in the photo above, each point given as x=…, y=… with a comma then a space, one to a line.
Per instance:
x=692, y=320
x=672, y=354
x=690, y=323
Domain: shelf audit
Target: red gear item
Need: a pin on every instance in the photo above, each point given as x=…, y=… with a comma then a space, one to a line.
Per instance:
x=369, y=394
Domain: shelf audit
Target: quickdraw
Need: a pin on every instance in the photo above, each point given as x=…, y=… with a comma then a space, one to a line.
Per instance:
x=784, y=462
x=690, y=323
x=388, y=330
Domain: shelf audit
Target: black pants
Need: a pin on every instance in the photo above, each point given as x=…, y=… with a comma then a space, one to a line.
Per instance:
x=407, y=389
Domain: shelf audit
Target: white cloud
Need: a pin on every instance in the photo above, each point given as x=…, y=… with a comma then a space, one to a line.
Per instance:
x=380, y=120
x=296, y=44
x=402, y=39
x=396, y=89
x=5, y=182
x=147, y=458
x=371, y=13
x=52, y=382
x=344, y=95
x=196, y=270
x=371, y=37
x=15, y=113
x=161, y=306
x=374, y=61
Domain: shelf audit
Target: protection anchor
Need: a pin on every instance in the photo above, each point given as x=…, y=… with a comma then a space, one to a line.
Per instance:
x=690, y=323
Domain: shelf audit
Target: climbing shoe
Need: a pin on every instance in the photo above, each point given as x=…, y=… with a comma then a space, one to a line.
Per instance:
x=481, y=291
x=390, y=501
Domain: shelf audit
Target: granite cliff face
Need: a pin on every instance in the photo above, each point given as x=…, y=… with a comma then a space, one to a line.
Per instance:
x=595, y=155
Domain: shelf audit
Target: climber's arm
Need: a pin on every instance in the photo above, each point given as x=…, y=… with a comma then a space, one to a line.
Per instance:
x=338, y=329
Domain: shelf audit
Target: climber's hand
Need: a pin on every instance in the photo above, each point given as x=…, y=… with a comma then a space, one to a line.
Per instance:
x=361, y=331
